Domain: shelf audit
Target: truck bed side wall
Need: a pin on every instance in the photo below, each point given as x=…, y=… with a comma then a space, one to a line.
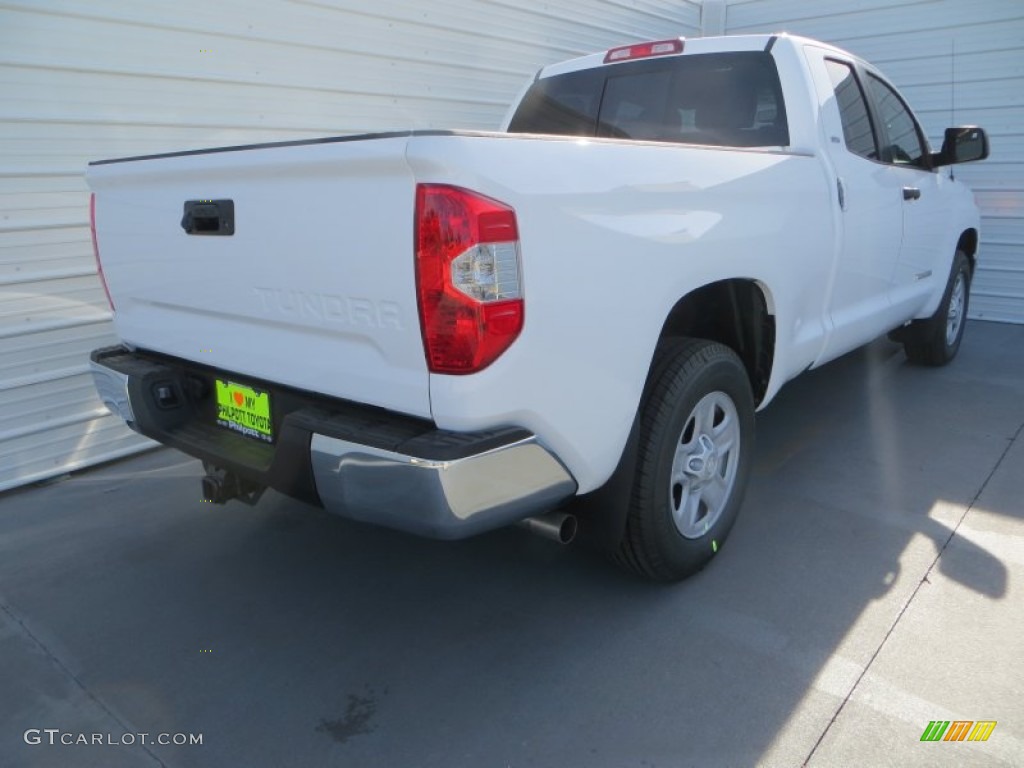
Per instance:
x=613, y=234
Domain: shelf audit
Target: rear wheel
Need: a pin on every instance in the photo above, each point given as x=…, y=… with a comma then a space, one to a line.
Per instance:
x=696, y=440
x=936, y=341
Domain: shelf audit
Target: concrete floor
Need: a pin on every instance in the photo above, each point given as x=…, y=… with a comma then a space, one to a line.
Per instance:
x=873, y=583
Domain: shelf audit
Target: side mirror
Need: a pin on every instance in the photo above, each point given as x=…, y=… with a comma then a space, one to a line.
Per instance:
x=962, y=145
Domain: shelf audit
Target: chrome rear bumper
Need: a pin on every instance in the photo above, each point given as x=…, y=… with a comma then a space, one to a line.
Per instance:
x=112, y=387
x=358, y=462
x=439, y=499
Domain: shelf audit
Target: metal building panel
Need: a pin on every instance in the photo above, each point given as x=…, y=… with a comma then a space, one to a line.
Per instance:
x=924, y=47
x=82, y=80
x=64, y=447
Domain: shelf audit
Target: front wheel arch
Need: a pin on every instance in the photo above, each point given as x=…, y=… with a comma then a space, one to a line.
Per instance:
x=936, y=340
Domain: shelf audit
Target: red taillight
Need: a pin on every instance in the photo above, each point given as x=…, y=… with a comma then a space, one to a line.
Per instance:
x=644, y=50
x=96, y=249
x=468, y=278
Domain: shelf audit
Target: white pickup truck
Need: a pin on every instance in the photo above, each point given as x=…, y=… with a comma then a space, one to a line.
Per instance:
x=445, y=332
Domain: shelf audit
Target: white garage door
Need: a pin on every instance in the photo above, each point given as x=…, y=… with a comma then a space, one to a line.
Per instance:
x=89, y=79
x=923, y=47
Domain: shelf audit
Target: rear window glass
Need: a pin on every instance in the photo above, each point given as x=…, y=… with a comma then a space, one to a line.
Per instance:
x=722, y=99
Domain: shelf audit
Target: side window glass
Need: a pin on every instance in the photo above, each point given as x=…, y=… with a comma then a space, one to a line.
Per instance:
x=853, y=110
x=904, y=141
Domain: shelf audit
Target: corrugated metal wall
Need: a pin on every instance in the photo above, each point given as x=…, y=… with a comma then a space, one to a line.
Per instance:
x=913, y=42
x=88, y=79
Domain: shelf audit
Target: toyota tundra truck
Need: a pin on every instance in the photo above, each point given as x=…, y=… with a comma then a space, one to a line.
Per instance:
x=446, y=332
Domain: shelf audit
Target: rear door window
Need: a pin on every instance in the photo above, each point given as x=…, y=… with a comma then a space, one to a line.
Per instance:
x=858, y=131
x=722, y=99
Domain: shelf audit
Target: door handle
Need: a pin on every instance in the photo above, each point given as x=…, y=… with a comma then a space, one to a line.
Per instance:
x=911, y=193
x=209, y=217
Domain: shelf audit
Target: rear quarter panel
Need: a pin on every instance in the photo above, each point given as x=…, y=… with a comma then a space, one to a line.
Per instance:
x=613, y=234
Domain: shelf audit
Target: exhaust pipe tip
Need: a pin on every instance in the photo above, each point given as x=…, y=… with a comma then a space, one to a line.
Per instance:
x=555, y=526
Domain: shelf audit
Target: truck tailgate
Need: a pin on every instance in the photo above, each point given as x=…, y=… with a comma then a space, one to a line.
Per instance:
x=315, y=288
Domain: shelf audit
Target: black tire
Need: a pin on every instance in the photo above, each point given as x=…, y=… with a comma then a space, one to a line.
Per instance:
x=688, y=373
x=936, y=341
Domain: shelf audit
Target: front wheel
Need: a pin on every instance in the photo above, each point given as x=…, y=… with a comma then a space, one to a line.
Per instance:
x=696, y=443
x=936, y=341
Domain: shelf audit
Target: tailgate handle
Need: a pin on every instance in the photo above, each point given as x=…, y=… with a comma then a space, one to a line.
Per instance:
x=209, y=217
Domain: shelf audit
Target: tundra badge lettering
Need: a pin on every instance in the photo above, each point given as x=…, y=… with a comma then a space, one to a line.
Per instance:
x=329, y=308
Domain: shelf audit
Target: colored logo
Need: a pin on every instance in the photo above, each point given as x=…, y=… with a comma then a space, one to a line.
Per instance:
x=958, y=730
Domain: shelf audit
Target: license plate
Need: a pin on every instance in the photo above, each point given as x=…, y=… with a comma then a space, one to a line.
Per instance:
x=245, y=410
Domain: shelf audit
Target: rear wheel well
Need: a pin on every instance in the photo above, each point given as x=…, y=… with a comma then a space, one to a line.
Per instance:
x=734, y=313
